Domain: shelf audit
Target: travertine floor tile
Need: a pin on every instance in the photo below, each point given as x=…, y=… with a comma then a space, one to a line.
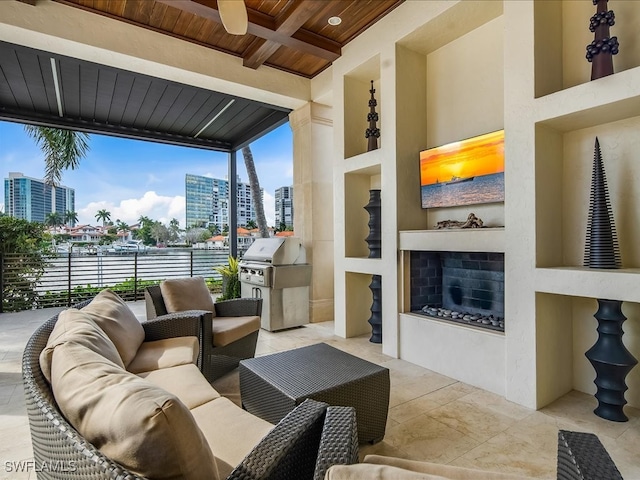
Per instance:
x=424, y=438
x=509, y=454
x=477, y=422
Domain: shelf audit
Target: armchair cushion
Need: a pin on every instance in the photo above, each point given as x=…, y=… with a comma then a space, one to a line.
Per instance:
x=169, y=352
x=376, y=472
x=77, y=327
x=142, y=427
x=435, y=470
x=227, y=330
x=117, y=320
x=187, y=294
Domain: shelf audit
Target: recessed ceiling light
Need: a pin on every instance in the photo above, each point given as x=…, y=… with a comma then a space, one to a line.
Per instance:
x=334, y=21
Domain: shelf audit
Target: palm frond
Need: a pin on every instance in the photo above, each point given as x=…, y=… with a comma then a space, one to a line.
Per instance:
x=63, y=149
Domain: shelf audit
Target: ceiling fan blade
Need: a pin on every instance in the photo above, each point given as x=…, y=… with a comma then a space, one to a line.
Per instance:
x=233, y=14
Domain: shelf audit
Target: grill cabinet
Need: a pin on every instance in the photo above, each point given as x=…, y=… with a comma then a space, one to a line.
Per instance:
x=275, y=270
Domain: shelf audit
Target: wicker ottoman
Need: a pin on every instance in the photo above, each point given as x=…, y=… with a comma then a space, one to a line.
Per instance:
x=272, y=385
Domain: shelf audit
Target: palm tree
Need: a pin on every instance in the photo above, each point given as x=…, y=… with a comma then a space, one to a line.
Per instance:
x=143, y=220
x=62, y=149
x=71, y=217
x=104, y=216
x=255, y=191
x=53, y=219
x=174, y=229
x=251, y=224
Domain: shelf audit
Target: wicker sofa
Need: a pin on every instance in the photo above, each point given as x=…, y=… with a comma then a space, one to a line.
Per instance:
x=221, y=352
x=303, y=445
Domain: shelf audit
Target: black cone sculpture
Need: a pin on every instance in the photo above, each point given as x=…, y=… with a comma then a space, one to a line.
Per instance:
x=601, y=247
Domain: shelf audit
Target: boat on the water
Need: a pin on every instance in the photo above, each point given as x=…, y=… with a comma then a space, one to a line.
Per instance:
x=455, y=180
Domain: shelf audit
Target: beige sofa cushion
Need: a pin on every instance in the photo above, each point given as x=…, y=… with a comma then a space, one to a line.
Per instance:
x=227, y=330
x=75, y=326
x=142, y=427
x=449, y=472
x=182, y=294
x=113, y=316
x=185, y=382
x=165, y=353
x=361, y=471
x=231, y=432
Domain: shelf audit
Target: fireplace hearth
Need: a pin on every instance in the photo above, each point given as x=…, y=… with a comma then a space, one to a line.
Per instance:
x=461, y=287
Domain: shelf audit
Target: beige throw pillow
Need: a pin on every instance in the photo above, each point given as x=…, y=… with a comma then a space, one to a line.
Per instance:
x=117, y=320
x=139, y=425
x=77, y=327
x=182, y=294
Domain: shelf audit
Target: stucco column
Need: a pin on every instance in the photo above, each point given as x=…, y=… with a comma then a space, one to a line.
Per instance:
x=312, y=128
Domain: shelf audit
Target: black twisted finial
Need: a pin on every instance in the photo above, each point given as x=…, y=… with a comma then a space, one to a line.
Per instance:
x=372, y=133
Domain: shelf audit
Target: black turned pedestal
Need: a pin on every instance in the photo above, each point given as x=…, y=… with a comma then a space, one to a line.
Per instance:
x=376, y=309
x=611, y=361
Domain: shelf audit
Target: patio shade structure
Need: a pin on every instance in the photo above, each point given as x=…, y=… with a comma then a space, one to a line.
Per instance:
x=47, y=89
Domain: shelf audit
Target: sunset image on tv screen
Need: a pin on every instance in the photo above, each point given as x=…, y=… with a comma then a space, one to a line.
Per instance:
x=463, y=173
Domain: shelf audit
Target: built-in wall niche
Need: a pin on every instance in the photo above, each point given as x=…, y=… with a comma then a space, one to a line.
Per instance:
x=358, y=298
x=461, y=287
x=562, y=35
x=564, y=164
x=357, y=185
x=357, y=86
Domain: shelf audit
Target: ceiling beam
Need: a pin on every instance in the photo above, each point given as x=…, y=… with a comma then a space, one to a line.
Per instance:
x=291, y=20
x=264, y=27
x=29, y=2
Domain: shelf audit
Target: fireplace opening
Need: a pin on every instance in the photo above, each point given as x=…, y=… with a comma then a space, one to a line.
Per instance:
x=461, y=287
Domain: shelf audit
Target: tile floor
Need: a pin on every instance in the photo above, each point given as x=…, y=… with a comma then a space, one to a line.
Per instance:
x=431, y=417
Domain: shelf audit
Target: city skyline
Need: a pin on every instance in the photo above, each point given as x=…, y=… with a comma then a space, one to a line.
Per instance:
x=131, y=178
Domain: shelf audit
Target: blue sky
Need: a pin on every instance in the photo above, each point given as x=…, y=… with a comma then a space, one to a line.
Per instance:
x=130, y=178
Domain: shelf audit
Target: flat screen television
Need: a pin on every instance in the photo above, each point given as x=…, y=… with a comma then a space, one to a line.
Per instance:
x=467, y=172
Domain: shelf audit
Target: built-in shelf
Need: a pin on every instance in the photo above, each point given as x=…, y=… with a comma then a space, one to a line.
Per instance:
x=605, y=100
x=372, y=266
x=617, y=284
x=367, y=163
x=454, y=240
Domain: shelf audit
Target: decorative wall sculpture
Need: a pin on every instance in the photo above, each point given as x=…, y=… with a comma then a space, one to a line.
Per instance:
x=600, y=52
x=376, y=309
x=374, y=239
x=372, y=133
x=611, y=361
x=601, y=247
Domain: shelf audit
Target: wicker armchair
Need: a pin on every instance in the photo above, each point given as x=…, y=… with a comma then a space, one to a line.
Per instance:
x=216, y=361
x=302, y=445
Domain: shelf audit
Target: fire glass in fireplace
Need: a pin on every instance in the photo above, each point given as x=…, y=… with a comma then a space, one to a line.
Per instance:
x=462, y=287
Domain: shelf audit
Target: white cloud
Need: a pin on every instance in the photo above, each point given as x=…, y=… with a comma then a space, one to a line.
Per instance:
x=152, y=205
x=269, y=203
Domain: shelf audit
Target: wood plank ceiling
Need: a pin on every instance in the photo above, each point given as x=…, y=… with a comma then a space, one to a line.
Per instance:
x=291, y=35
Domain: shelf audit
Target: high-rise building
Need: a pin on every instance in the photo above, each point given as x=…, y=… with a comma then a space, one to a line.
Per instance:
x=207, y=202
x=32, y=199
x=284, y=206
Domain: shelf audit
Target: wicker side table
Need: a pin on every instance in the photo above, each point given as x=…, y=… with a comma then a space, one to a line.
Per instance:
x=272, y=385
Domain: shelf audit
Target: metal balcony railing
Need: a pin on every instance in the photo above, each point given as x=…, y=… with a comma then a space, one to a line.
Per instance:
x=32, y=281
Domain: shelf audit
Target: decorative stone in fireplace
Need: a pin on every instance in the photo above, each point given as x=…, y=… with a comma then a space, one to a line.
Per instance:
x=463, y=287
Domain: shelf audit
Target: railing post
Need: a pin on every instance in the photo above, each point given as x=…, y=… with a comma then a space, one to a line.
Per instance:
x=69, y=277
x=1, y=282
x=135, y=277
x=191, y=263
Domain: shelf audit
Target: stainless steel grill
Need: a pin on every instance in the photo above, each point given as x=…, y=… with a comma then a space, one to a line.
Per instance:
x=276, y=270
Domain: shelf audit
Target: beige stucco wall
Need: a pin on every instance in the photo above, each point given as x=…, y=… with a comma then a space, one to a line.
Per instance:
x=312, y=128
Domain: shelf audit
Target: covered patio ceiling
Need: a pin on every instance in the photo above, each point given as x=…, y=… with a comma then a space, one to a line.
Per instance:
x=43, y=88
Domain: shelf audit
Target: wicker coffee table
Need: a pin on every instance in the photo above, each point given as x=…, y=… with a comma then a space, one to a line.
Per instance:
x=272, y=385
